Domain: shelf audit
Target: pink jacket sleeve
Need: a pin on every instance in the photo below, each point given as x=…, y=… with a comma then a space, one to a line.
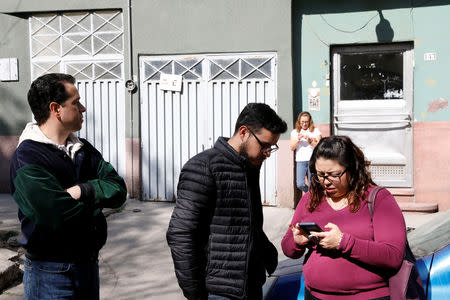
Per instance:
x=288, y=245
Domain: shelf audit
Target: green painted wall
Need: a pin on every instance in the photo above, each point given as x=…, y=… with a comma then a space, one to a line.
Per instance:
x=321, y=24
x=431, y=78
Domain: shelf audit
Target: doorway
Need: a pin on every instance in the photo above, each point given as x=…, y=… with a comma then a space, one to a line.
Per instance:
x=372, y=90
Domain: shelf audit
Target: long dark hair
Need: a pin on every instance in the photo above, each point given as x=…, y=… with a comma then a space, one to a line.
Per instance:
x=347, y=154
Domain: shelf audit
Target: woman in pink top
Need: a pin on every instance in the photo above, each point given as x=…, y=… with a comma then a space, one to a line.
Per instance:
x=356, y=253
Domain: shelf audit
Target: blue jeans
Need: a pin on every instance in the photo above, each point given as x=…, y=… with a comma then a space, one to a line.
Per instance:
x=44, y=280
x=302, y=169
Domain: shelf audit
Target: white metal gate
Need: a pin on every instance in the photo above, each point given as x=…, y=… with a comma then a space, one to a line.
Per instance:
x=373, y=98
x=89, y=46
x=177, y=125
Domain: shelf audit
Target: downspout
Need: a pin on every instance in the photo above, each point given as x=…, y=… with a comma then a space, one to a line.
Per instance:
x=130, y=59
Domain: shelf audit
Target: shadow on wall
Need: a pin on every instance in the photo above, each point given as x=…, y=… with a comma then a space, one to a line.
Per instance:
x=384, y=31
x=13, y=117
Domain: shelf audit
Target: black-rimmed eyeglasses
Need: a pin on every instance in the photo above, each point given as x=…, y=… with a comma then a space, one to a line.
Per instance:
x=319, y=178
x=266, y=148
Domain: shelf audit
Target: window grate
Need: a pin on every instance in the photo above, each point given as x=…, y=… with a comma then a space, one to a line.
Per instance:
x=395, y=172
x=241, y=68
x=87, y=45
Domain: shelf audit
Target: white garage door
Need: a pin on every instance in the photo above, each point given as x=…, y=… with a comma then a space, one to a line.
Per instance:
x=177, y=125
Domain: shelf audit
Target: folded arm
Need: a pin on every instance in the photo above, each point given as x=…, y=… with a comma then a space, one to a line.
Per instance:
x=107, y=190
x=41, y=198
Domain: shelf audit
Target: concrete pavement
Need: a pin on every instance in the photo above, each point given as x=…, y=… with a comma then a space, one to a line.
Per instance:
x=136, y=263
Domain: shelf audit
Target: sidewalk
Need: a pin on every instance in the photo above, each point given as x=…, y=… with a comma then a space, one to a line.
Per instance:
x=136, y=263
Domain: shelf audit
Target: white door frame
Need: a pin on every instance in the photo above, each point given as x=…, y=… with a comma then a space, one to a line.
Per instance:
x=382, y=128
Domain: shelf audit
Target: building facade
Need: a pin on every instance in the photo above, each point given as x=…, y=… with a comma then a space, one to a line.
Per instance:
x=161, y=80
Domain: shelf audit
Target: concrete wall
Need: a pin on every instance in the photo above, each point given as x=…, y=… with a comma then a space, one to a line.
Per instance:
x=14, y=42
x=317, y=25
x=216, y=26
x=160, y=28
x=14, y=110
x=294, y=29
x=27, y=6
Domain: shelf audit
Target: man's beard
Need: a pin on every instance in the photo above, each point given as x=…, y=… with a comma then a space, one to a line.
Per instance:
x=244, y=153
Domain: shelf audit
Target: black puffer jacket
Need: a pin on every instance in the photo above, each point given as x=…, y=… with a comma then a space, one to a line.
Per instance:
x=215, y=233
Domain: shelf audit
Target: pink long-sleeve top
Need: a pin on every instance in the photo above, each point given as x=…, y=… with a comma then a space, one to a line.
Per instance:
x=370, y=249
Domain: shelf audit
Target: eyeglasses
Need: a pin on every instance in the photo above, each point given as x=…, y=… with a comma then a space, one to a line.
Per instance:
x=331, y=178
x=266, y=148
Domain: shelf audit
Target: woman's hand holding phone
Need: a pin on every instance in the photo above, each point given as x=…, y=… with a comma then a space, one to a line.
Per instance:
x=330, y=239
x=300, y=237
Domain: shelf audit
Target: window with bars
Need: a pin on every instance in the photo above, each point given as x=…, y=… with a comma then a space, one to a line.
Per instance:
x=241, y=68
x=219, y=68
x=190, y=69
x=88, y=45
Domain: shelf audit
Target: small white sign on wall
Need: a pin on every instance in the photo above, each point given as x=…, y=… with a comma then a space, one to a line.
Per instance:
x=429, y=56
x=8, y=69
x=169, y=82
x=314, y=98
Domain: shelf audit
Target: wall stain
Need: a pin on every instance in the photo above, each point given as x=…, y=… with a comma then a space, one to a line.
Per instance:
x=430, y=81
x=437, y=104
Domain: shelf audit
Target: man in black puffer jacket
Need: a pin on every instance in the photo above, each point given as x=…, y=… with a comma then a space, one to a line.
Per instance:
x=216, y=236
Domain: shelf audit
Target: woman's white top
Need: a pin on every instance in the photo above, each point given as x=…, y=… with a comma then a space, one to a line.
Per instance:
x=304, y=149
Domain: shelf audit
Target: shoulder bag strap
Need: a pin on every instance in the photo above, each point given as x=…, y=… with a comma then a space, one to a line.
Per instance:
x=372, y=196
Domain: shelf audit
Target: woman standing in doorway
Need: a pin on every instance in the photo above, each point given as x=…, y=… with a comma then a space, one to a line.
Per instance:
x=303, y=140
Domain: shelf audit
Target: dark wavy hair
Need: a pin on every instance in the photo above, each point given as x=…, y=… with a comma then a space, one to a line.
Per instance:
x=259, y=115
x=46, y=89
x=348, y=155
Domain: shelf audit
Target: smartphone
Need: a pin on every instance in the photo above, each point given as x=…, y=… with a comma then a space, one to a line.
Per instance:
x=309, y=226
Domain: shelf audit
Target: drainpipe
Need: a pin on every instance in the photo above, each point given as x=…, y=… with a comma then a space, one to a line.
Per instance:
x=130, y=59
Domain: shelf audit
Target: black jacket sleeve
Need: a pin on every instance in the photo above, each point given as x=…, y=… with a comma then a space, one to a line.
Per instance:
x=187, y=234
x=270, y=255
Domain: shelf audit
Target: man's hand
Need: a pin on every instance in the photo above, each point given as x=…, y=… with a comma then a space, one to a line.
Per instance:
x=75, y=192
